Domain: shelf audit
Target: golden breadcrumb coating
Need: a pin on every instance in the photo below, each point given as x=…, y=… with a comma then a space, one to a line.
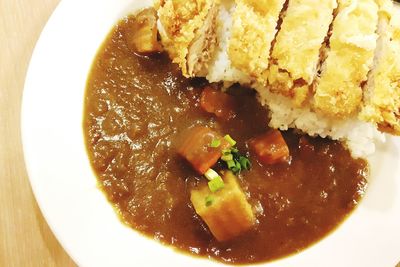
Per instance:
x=382, y=96
x=296, y=53
x=352, y=45
x=253, y=30
x=180, y=19
x=342, y=73
x=203, y=45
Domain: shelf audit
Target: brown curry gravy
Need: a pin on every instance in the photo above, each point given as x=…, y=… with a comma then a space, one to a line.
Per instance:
x=135, y=106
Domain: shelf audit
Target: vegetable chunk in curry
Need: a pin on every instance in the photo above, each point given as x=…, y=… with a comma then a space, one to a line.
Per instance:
x=286, y=191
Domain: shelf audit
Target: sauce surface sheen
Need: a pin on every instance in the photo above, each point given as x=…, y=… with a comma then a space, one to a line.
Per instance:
x=135, y=109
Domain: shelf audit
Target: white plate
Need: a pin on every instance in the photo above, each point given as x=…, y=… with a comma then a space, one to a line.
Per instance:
x=79, y=214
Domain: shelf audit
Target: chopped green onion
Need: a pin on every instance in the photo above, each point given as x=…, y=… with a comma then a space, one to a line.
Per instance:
x=216, y=184
x=227, y=157
x=238, y=164
x=238, y=167
x=215, y=143
x=231, y=164
x=226, y=151
x=232, y=157
x=235, y=170
x=209, y=201
x=230, y=140
x=245, y=163
x=234, y=150
x=234, y=166
x=211, y=174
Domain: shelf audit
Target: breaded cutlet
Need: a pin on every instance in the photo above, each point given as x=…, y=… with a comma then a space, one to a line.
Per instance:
x=179, y=21
x=382, y=92
x=252, y=33
x=349, y=58
x=336, y=59
x=296, y=53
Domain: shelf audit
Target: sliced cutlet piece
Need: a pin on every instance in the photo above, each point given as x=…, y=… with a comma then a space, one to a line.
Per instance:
x=253, y=30
x=349, y=58
x=220, y=67
x=382, y=91
x=179, y=21
x=296, y=53
x=203, y=45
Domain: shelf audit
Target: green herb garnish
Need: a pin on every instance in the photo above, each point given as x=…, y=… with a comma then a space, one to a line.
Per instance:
x=231, y=164
x=230, y=140
x=216, y=184
x=215, y=143
x=245, y=163
x=234, y=150
x=234, y=160
x=211, y=174
x=227, y=157
x=226, y=151
x=237, y=168
x=209, y=201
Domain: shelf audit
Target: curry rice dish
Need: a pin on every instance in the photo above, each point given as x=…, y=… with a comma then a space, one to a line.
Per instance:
x=190, y=155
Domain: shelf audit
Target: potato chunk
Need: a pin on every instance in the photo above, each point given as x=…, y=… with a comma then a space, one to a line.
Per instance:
x=142, y=38
x=227, y=211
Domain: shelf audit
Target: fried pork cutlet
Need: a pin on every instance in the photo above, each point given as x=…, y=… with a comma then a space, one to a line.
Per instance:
x=203, y=45
x=180, y=21
x=336, y=61
x=253, y=30
x=296, y=53
x=382, y=92
x=350, y=57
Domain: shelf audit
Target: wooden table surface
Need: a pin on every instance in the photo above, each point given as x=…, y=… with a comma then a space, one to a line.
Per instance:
x=25, y=238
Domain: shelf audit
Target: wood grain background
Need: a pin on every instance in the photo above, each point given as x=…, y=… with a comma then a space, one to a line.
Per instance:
x=25, y=238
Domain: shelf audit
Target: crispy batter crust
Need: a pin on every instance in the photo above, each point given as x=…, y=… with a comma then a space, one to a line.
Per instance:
x=382, y=96
x=203, y=45
x=180, y=19
x=349, y=70
x=295, y=56
x=352, y=45
x=253, y=30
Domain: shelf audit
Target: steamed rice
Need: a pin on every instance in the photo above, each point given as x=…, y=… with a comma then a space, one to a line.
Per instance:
x=359, y=136
x=220, y=67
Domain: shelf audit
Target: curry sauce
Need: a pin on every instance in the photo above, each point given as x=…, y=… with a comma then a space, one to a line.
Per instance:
x=135, y=109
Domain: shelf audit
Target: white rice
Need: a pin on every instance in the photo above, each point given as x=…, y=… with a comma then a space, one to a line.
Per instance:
x=360, y=137
x=220, y=68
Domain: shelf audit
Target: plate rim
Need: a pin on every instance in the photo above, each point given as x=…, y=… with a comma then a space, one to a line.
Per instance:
x=25, y=114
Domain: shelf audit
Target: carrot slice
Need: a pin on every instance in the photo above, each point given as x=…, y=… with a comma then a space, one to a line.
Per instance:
x=219, y=103
x=270, y=148
x=195, y=148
